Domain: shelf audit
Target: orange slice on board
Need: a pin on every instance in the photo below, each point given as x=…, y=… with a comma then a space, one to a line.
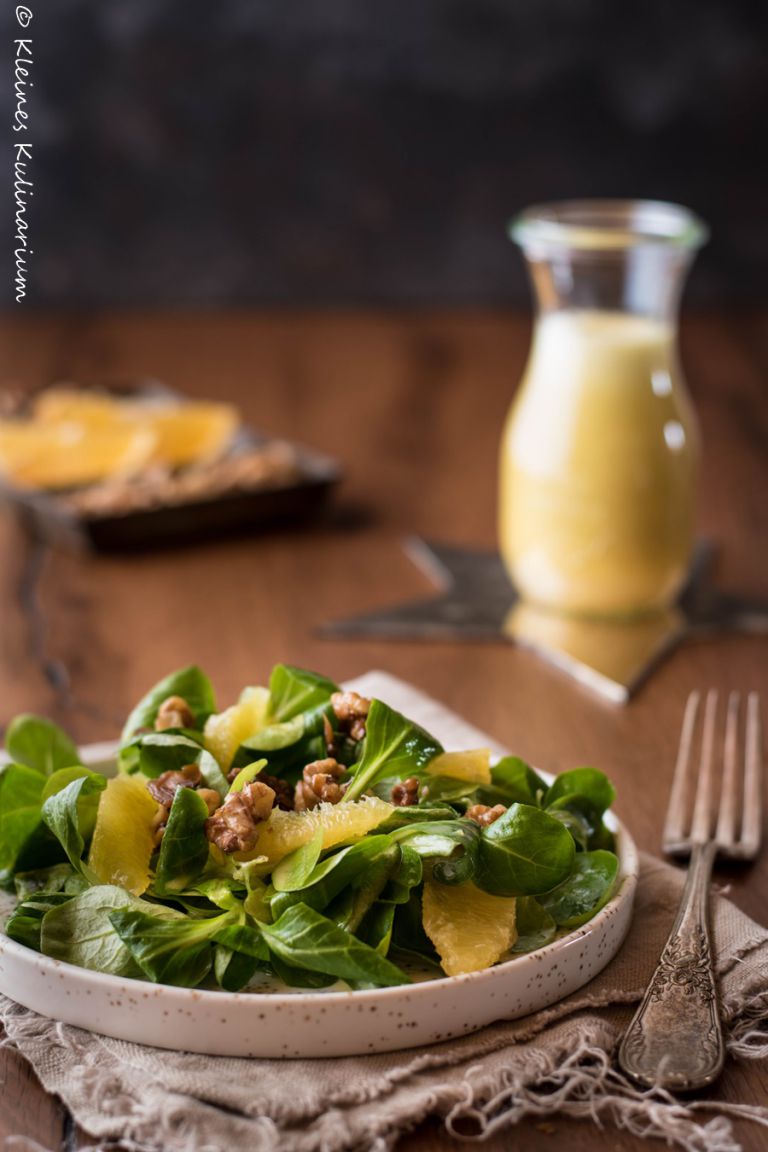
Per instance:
x=70, y=454
x=94, y=409
x=185, y=433
x=193, y=433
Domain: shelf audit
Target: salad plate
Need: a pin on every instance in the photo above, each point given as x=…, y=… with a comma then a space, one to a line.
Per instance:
x=273, y=1021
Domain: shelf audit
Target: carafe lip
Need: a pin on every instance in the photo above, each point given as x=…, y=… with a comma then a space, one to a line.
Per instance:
x=607, y=226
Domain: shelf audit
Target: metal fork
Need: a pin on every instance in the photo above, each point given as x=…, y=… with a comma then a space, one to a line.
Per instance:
x=675, y=1040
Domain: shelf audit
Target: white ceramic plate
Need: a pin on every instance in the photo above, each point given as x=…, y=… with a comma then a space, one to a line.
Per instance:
x=326, y=1023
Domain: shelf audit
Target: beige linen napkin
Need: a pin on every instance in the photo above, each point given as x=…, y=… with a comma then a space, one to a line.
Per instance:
x=558, y=1061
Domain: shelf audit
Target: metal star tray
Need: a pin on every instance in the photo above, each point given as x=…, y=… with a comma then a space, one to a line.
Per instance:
x=476, y=601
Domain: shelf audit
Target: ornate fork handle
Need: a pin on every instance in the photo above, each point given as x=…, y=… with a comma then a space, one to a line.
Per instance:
x=675, y=1039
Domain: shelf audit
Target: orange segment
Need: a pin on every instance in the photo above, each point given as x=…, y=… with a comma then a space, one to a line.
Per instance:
x=469, y=928
x=55, y=405
x=473, y=766
x=191, y=433
x=77, y=437
x=225, y=731
x=69, y=454
x=123, y=839
x=341, y=824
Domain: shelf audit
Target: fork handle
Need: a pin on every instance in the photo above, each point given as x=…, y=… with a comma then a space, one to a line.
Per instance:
x=675, y=1040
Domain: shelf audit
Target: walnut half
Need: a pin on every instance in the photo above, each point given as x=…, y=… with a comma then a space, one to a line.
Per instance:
x=483, y=815
x=320, y=784
x=163, y=787
x=234, y=827
x=351, y=710
x=406, y=793
x=174, y=712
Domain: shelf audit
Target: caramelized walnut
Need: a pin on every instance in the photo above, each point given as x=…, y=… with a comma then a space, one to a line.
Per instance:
x=163, y=787
x=304, y=798
x=281, y=788
x=320, y=784
x=158, y=825
x=174, y=712
x=234, y=827
x=406, y=793
x=483, y=815
x=211, y=797
x=351, y=710
x=329, y=736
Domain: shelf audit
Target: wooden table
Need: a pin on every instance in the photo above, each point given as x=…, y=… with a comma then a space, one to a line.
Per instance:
x=412, y=404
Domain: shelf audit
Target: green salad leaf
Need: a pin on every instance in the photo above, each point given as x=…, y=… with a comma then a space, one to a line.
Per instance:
x=71, y=814
x=394, y=747
x=305, y=939
x=524, y=852
x=79, y=931
x=184, y=847
x=294, y=691
x=21, y=790
x=191, y=684
x=158, y=752
x=585, y=891
x=535, y=926
x=168, y=948
x=40, y=744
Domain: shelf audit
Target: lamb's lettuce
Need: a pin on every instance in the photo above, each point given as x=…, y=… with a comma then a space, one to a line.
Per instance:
x=535, y=927
x=40, y=744
x=21, y=790
x=79, y=931
x=305, y=939
x=295, y=691
x=184, y=847
x=158, y=752
x=394, y=747
x=190, y=683
x=331, y=876
x=169, y=948
x=70, y=814
x=585, y=891
x=294, y=870
x=524, y=852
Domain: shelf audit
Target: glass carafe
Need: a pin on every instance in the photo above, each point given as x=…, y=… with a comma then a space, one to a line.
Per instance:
x=600, y=449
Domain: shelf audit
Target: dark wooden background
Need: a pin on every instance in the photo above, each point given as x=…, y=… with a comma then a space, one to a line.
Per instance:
x=353, y=151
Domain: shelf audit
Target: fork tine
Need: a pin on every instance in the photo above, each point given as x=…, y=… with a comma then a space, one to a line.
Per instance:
x=701, y=825
x=674, y=825
x=753, y=810
x=701, y=828
x=729, y=789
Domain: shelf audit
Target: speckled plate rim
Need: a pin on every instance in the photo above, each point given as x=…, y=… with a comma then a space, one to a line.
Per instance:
x=320, y=1023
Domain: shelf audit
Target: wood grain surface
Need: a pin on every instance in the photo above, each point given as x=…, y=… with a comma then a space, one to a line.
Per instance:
x=411, y=404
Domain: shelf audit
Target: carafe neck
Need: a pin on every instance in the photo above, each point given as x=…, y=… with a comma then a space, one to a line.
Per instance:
x=613, y=256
